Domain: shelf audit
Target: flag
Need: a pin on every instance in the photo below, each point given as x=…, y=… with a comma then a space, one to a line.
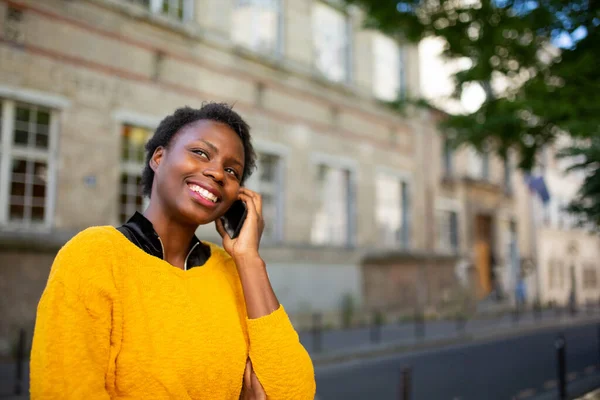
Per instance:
x=537, y=185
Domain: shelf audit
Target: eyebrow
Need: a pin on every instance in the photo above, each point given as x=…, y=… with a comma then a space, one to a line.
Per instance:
x=214, y=149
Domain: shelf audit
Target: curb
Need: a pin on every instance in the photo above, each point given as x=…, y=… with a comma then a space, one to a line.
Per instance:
x=486, y=336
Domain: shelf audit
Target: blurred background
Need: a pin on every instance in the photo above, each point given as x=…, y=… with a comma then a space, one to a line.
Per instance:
x=429, y=172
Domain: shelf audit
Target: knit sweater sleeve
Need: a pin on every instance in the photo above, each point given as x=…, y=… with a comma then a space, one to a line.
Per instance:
x=280, y=362
x=71, y=344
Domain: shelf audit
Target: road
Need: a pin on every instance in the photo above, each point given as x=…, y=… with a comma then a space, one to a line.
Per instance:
x=339, y=340
x=519, y=368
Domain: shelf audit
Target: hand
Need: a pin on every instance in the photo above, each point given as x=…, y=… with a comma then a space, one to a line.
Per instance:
x=245, y=246
x=251, y=387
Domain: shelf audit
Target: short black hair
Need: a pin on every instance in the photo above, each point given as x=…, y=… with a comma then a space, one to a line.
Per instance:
x=170, y=125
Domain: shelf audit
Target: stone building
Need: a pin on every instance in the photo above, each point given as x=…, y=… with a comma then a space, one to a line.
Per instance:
x=83, y=84
x=360, y=201
x=569, y=256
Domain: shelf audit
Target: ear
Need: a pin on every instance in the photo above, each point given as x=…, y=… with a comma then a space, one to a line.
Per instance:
x=157, y=158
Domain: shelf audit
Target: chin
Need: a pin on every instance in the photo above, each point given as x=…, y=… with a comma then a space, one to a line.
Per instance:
x=199, y=216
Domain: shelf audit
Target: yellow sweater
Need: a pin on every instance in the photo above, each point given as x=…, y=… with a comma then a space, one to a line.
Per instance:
x=117, y=323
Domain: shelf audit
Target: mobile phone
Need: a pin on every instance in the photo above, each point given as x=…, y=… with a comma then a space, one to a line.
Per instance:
x=234, y=218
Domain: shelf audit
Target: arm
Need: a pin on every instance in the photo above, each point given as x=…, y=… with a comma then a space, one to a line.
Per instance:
x=279, y=360
x=71, y=343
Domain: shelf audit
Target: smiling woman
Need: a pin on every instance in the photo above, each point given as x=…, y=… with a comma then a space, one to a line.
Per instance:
x=148, y=310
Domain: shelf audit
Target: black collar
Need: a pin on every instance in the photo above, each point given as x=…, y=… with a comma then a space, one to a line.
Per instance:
x=140, y=231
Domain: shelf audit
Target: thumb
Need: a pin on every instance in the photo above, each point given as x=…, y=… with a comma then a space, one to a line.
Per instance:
x=221, y=229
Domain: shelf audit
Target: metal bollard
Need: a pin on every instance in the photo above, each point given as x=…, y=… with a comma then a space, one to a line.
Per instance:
x=419, y=325
x=376, y=327
x=405, y=383
x=598, y=343
x=461, y=324
x=317, y=332
x=537, y=309
x=560, y=345
x=19, y=363
x=516, y=315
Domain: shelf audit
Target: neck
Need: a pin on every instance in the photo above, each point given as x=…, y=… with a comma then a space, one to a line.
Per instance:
x=174, y=235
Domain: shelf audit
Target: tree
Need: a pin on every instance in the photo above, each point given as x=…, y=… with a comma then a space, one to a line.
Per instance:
x=537, y=62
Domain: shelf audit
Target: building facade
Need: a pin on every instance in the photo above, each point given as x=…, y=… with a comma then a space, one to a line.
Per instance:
x=569, y=256
x=83, y=84
x=359, y=200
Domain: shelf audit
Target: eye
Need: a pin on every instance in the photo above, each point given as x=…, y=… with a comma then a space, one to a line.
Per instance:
x=232, y=172
x=201, y=153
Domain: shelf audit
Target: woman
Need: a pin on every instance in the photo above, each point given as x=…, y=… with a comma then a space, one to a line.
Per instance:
x=147, y=311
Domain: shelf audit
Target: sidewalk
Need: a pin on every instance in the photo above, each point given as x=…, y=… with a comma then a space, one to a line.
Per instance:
x=595, y=395
x=343, y=346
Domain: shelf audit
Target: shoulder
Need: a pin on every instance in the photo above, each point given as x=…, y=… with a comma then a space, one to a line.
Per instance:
x=86, y=253
x=95, y=241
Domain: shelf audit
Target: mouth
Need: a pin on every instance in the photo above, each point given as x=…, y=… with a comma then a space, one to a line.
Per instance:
x=203, y=193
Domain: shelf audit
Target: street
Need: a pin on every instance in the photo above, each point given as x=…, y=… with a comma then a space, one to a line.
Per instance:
x=519, y=367
x=408, y=333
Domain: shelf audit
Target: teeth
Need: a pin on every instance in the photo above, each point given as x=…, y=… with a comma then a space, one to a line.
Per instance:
x=204, y=193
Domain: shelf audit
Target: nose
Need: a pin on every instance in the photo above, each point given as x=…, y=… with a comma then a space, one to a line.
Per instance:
x=216, y=173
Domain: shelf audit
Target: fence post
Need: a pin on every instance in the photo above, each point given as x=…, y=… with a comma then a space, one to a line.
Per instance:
x=419, y=324
x=376, y=327
x=537, y=310
x=461, y=322
x=19, y=363
x=560, y=344
x=405, y=383
x=598, y=335
x=317, y=332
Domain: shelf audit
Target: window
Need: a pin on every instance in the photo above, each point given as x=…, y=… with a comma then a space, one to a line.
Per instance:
x=388, y=69
x=331, y=42
x=447, y=230
x=133, y=140
x=448, y=157
x=27, y=142
x=268, y=181
x=507, y=175
x=333, y=221
x=479, y=164
x=555, y=274
x=178, y=9
x=392, y=210
x=257, y=24
x=590, y=277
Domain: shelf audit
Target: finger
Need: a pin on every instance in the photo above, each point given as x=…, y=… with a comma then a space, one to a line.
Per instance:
x=257, y=388
x=256, y=197
x=248, y=375
x=221, y=229
x=250, y=205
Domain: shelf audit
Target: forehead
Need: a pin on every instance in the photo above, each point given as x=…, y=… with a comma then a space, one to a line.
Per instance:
x=217, y=133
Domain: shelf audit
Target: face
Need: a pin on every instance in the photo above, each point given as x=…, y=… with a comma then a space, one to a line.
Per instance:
x=197, y=177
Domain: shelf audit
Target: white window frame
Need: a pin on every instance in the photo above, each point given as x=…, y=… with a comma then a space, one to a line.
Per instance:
x=349, y=45
x=400, y=72
x=280, y=34
x=127, y=117
x=253, y=183
x=351, y=165
x=156, y=7
x=448, y=156
x=448, y=205
x=10, y=96
x=403, y=177
x=479, y=164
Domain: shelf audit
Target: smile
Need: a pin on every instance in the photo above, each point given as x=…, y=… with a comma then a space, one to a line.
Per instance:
x=204, y=193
